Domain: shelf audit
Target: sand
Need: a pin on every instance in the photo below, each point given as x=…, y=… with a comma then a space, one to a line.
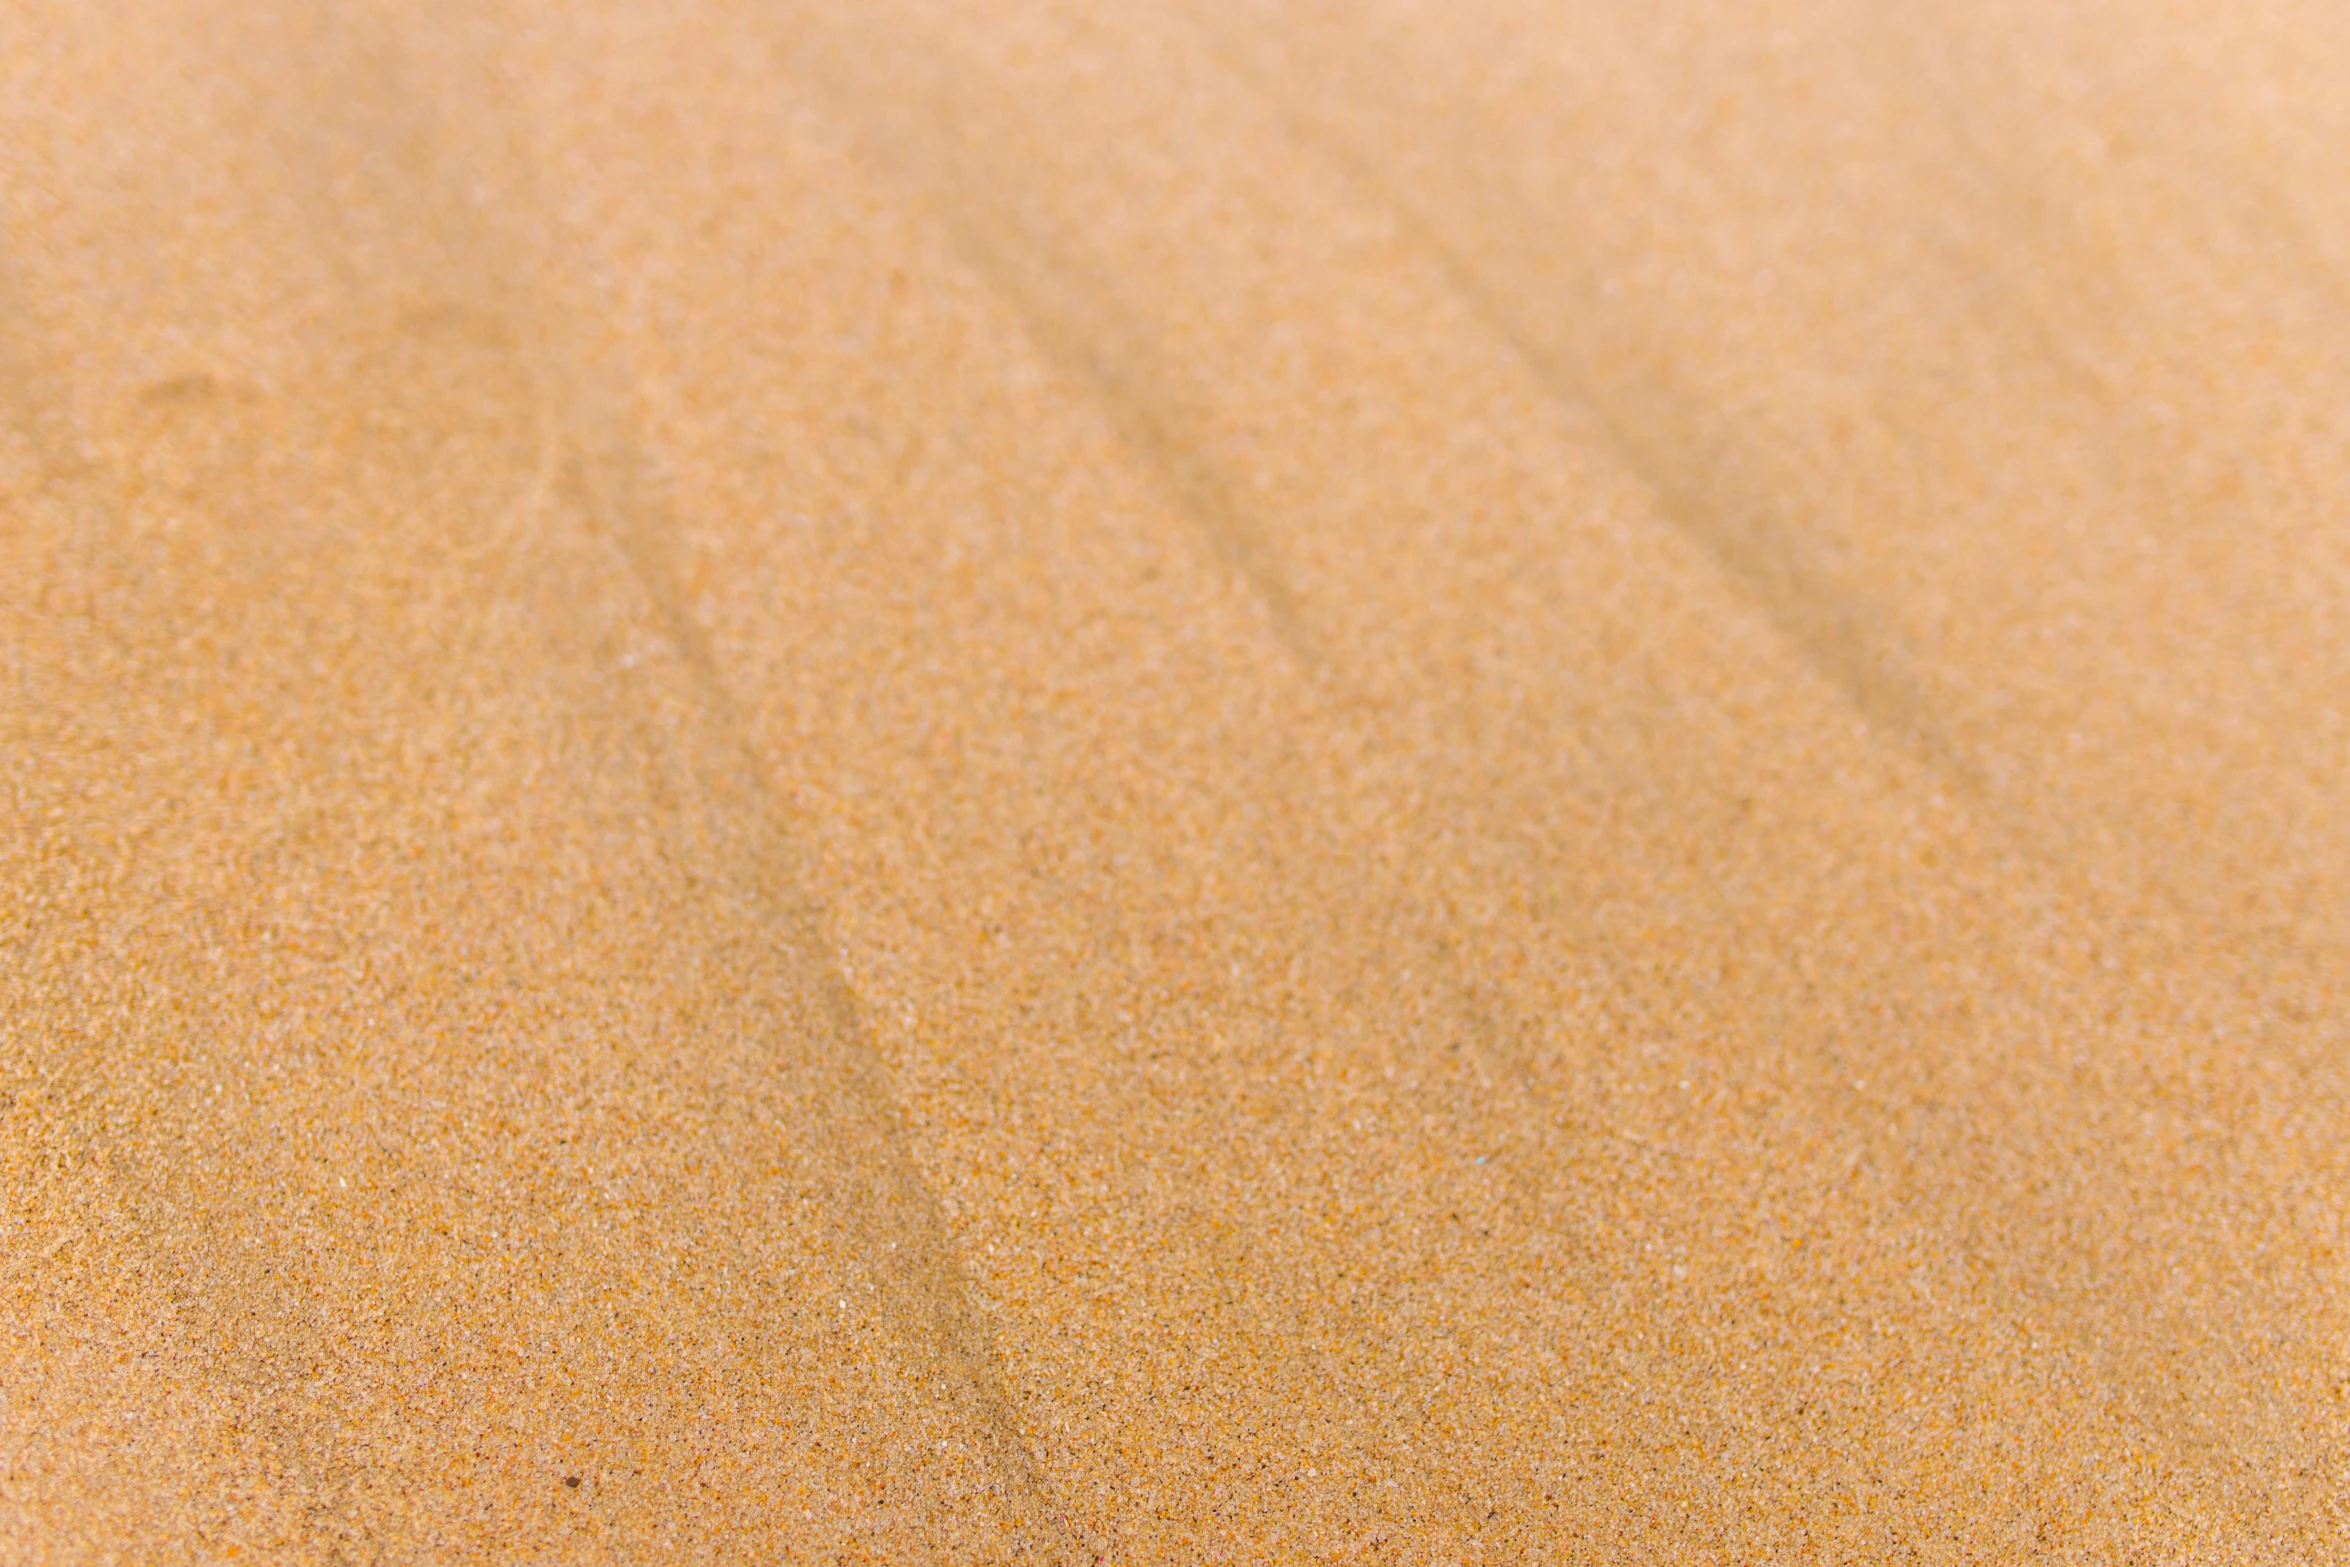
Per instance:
x=1376, y=782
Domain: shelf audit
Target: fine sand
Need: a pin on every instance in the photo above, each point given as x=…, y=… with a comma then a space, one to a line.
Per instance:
x=1400, y=781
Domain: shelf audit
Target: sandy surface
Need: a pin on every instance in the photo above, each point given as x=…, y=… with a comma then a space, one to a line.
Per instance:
x=1376, y=781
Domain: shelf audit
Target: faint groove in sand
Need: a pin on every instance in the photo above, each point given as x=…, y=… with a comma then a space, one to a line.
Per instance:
x=1136, y=420
x=1027, y=277
x=1822, y=626
x=922, y=1285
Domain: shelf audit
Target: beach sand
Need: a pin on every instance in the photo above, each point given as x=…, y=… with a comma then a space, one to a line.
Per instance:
x=1377, y=782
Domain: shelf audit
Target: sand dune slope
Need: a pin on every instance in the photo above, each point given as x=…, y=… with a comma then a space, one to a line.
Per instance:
x=1210, y=782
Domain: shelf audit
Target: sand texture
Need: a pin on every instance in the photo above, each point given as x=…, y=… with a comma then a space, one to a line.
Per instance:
x=1228, y=780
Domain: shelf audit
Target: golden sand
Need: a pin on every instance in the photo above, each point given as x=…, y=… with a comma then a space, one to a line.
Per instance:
x=1371, y=781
